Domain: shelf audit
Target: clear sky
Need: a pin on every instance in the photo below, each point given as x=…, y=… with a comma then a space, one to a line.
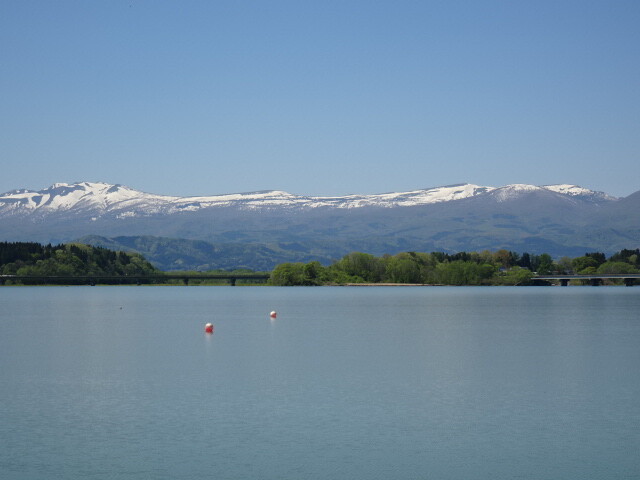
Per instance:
x=319, y=97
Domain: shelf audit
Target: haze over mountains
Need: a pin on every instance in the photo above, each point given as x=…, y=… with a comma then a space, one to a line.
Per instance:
x=261, y=229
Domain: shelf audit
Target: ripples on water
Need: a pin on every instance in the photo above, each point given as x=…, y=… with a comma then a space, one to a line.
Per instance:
x=357, y=383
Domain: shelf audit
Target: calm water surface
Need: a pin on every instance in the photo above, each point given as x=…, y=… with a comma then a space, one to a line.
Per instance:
x=347, y=383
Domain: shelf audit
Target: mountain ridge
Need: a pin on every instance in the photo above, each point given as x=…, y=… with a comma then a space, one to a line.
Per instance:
x=104, y=197
x=560, y=219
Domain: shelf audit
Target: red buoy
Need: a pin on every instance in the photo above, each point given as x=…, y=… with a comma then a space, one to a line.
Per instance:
x=273, y=314
x=208, y=328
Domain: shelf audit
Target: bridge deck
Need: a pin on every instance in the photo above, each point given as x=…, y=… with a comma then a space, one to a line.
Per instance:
x=595, y=279
x=587, y=277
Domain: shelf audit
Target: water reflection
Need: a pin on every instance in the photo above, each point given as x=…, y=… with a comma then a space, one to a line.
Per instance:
x=347, y=383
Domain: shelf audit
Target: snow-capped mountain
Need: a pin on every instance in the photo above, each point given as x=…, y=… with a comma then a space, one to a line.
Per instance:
x=557, y=219
x=103, y=198
x=123, y=202
x=570, y=191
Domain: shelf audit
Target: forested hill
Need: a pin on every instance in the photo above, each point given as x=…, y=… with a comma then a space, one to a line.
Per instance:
x=30, y=258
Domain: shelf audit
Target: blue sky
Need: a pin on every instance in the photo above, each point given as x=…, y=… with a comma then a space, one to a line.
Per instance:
x=320, y=98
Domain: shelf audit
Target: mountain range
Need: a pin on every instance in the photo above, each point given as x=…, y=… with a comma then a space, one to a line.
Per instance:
x=261, y=229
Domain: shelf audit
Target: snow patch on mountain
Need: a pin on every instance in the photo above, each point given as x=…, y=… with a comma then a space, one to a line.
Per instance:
x=569, y=192
x=577, y=191
x=123, y=202
x=104, y=198
x=405, y=199
x=510, y=192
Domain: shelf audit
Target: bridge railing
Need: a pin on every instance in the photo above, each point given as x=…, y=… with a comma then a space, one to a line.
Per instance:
x=587, y=277
x=629, y=279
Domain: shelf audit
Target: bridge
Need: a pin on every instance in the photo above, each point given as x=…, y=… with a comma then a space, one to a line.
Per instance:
x=594, y=279
x=232, y=278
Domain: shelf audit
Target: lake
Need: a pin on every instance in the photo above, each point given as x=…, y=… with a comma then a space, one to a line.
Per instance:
x=346, y=383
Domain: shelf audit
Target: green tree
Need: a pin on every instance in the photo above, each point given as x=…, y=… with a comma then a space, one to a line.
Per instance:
x=288, y=274
x=402, y=269
x=581, y=264
x=599, y=257
x=504, y=258
x=616, y=267
x=629, y=256
x=463, y=273
x=525, y=261
x=314, y=273
x=298, y=274
x=362, y=265
x=546, y=264
x=565, y=266
x=516, y=276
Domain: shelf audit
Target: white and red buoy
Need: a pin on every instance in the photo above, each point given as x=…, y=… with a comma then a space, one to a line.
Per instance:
x=208, y=328
x=273, y=314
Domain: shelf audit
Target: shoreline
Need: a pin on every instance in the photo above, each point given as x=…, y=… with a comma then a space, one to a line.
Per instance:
x=393, y=285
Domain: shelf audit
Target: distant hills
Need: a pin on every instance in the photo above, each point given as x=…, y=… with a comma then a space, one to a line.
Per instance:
x=261, y=229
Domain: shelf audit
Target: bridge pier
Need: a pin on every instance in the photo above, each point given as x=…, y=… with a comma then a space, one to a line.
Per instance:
x=564, y=282
x=232, y=281
x=628, y=282
x=595, y=282
x=186, y=281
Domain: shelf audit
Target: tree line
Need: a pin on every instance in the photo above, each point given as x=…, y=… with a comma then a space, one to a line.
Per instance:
x=502, y=267
x=438, y=268
x=35, y=259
